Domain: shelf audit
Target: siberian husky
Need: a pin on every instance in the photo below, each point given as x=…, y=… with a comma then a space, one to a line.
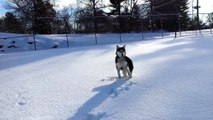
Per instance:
x=123, y=62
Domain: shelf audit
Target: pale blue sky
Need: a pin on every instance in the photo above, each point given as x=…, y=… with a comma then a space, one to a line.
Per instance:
x=206, y=5
x=2, y=8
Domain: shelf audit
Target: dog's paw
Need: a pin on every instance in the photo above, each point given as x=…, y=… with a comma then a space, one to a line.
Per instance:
x=119, y=77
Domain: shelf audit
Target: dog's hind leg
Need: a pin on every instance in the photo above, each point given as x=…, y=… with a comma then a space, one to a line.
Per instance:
x=129, y=73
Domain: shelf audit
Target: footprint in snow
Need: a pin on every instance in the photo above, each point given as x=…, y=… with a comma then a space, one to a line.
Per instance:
x=116, y=92
x=21, y=98
x=109, y=79
x=95, y=116
x=22, y=101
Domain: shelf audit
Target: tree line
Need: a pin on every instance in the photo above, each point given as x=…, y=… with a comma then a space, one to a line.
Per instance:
x=43, y=17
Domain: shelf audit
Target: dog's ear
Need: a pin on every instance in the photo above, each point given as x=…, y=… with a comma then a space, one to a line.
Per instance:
x=124, y=46
x=117, y=46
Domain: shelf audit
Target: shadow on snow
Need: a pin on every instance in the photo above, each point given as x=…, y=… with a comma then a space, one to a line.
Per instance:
x=83, y=113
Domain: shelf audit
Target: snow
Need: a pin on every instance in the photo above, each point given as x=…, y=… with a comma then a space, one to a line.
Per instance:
x=25, y=42
x=172, y=79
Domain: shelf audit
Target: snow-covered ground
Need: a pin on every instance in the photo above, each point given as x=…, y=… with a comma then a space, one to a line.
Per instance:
x=23, y=42
x=172, y=80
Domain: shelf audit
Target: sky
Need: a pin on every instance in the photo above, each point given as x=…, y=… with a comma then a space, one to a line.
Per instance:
x=206, y=5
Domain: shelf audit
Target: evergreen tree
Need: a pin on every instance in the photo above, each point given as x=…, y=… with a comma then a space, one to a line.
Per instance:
x=173, y=11
x=1, y=24
x=44, y=16
x=11, y=23
x=39, y=14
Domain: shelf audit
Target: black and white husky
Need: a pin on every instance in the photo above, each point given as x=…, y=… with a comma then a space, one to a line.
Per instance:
x=123, y=62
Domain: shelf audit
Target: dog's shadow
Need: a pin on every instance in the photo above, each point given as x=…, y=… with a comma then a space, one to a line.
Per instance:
x=110, y=90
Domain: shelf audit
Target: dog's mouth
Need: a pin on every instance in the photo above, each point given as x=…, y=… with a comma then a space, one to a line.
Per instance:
x=121, y=54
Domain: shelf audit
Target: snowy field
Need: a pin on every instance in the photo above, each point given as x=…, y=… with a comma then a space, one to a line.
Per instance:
x=172, y=80
x=25, y=42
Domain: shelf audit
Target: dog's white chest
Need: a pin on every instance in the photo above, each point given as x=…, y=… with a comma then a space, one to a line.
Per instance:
x=121, y=64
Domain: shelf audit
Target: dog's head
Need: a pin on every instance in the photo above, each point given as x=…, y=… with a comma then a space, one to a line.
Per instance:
x=121, y=51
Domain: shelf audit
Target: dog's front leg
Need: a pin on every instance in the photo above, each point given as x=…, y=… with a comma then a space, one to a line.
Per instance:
x=118, y=71
x=125, y=72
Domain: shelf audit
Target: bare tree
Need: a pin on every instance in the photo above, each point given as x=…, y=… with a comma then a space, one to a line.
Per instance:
x=67, y=13
x=88, y=12
x=210, y=19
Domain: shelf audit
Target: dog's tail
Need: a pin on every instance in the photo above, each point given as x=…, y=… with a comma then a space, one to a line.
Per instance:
x=130, y=64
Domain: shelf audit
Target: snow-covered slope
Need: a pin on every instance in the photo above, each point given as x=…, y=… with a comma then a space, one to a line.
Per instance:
x=10, y=42
x=172, y=79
